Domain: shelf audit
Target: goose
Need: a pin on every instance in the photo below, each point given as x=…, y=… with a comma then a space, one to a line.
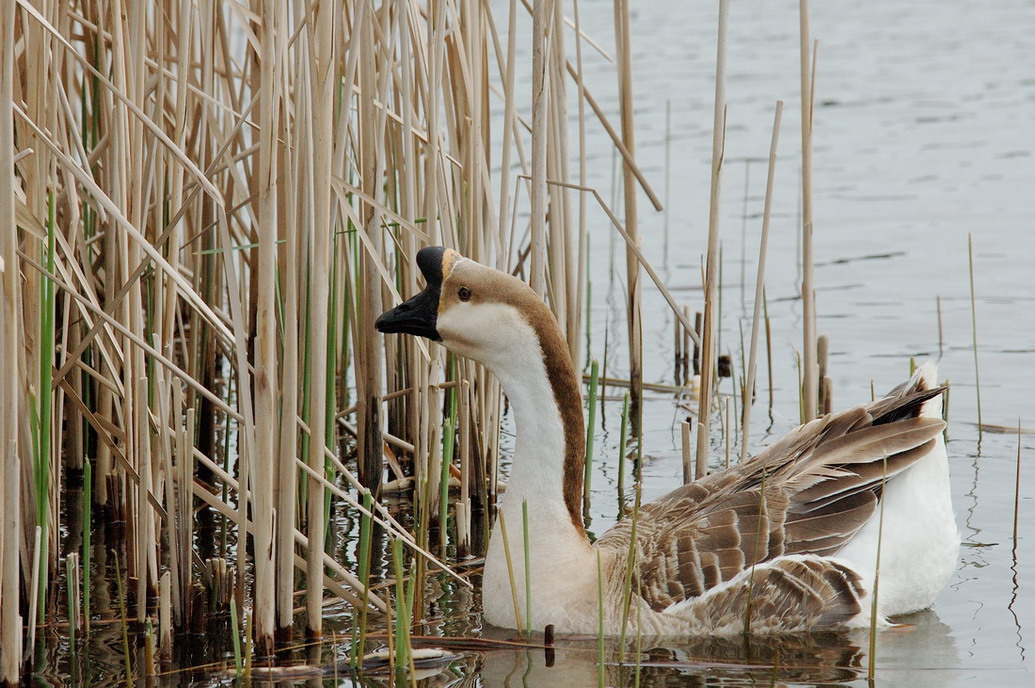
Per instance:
x=786, y=541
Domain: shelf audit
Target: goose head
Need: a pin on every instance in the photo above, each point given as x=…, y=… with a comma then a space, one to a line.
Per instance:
x=477, y=312
x=499, y=321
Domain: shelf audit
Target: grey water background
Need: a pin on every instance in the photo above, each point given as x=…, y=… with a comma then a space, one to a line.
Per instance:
x=924, y=131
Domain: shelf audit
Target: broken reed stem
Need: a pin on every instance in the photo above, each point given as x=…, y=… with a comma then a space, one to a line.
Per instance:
x=810, y=391
x=686, y=428
x=756, y=317
x=708, y=348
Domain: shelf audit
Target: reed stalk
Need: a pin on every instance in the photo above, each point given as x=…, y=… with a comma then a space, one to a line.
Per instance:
x=528, y=568
x=581, y=299
x=623, y=448
x=600, y=623
x=448, y=442
x=87, y=536
x=510, y=575
x=623, y=42
x=235, y=633
x=756, y=317
x=540, y=16
x=1017, y=491
x=72, y=575
x=11, y=535
x=974, y=328
x=810, y=375
x=34, y=594
x=685, y=429
x=323, y=87
x=403, y=650
x=44, y=430
x=708, y=346
x=872, y=663
x=591, y=425
x=121, y=585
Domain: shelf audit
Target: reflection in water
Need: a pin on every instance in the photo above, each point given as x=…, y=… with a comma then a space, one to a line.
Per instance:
x=919, y=652
x=805, y=658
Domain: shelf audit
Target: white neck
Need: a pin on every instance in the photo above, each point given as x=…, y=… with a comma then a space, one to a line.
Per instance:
x=559, y=550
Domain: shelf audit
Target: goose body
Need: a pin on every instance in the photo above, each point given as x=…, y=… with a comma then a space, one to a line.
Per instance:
x=784, y=542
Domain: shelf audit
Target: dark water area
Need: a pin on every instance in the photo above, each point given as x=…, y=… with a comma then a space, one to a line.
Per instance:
x=924, y=121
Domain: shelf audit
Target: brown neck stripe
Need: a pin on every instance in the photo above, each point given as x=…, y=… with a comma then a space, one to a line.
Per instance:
x=568, y=397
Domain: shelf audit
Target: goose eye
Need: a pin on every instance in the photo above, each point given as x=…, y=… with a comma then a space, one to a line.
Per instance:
x=464, y=294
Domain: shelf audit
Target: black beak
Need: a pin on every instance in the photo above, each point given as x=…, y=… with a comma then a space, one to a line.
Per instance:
x=415, y=316
x=418, y=315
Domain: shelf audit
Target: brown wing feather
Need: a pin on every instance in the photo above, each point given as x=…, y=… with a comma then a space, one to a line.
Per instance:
x=806, y=593
x=808, y=493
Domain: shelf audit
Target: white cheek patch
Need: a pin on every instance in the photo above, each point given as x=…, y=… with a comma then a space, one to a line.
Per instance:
x=490, y=333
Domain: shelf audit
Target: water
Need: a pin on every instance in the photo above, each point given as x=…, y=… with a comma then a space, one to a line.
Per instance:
x=923, y=135
x=923, y=122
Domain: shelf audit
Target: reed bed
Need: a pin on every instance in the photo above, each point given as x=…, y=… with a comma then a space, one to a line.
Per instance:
x=213, y=203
